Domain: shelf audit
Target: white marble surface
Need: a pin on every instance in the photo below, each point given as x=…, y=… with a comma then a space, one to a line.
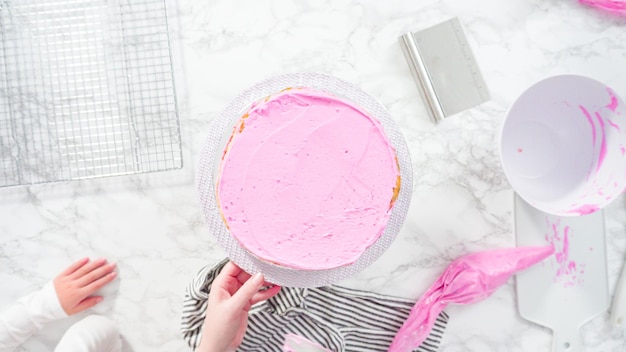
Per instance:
x=151, y=226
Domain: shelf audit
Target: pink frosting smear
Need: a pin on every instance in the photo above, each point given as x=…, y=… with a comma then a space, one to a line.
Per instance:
x=613, y=6
x=467, y=280
x=584, y=209
x=590, y=120
x=593, y=132
x=614, y=102
x=614, y=125
x=604, y=168
x=307, y=180
x=602, y=154
x=568, y=272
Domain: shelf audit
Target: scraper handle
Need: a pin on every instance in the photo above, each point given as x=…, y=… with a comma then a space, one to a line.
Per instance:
x=418, y=68
x=567, y=340
x=618, y=307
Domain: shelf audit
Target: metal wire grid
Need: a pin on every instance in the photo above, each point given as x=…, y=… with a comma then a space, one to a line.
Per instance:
x=86, y=90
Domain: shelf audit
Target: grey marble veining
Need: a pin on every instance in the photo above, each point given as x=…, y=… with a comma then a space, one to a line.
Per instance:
x=151, y=224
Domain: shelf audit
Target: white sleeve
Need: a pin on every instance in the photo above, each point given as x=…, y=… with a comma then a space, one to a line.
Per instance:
x=28, y=315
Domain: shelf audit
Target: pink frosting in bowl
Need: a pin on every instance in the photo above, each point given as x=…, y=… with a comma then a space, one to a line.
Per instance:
x=307, y=180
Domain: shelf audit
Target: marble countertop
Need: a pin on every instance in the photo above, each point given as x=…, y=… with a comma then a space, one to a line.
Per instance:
x=151, y=224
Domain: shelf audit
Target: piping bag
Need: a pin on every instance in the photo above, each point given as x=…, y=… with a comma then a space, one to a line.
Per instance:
x=467, y=280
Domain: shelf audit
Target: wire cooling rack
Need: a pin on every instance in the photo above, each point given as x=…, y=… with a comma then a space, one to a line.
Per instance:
x=86, y=90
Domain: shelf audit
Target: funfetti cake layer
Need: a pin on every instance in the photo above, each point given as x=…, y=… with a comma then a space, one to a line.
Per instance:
x=307, y=180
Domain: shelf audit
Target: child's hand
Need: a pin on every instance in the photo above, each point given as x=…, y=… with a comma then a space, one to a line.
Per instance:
x=232, y=293
x=75, y=285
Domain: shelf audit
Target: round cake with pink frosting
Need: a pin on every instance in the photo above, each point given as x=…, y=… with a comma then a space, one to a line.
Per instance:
x=307, y=180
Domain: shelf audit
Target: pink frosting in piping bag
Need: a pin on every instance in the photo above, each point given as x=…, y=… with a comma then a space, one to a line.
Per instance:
x=467, y=280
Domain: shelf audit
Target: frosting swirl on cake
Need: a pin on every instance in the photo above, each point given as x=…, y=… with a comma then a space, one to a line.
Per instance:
x=307, y=180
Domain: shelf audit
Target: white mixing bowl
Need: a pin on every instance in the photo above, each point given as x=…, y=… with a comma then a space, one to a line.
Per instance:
x=563, y=145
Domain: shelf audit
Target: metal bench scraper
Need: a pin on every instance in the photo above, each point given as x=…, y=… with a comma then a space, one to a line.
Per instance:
x=445, y=69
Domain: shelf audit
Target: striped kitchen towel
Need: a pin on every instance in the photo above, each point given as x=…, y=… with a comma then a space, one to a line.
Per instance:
x=337, y=318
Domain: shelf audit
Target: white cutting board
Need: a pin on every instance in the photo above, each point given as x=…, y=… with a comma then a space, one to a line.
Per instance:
x=570, y=287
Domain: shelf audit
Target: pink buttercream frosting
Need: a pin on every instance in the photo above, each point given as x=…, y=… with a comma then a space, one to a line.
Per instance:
x=467, y=280
x=307, y=180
